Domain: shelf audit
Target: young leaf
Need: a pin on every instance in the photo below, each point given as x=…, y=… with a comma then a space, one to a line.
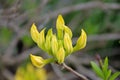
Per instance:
x=115, y=75
x=108, y=74
x=97, y=70
x=105, y=67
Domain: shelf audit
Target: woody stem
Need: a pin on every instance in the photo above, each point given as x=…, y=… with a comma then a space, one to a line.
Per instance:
x=82, y=77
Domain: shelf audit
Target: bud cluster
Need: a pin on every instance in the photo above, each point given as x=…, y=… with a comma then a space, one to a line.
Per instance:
x=59, y=45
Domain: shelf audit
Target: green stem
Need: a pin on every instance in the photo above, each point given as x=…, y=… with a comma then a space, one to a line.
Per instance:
x=50, y=60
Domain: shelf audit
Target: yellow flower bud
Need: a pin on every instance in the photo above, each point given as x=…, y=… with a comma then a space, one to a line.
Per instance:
x=68, y=30
x=81, y=42
x=41, y=74
x=48, y=44
x=34, y=33
x=60, y=55
x=41, y=39
x=60, y=22
x=50, y=33
x=30, y=68
x=48, y=41
x=28, y=72
x=68, y=44
x=54, y=44
x=37, y=61
x=60, y=26
x=19, y=74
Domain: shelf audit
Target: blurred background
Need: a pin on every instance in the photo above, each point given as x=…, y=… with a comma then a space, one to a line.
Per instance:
x=99, y=18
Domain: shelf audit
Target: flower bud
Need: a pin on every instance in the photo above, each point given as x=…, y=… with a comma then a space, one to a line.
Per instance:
x=81, y=42
x=48, y=41
x=60, y=22
x=41, y=39
x=34, y=33
x=37, y=61
x=54, y=44
x=60, y=55
x=60, y=26
x=68, y=30
x=68, y=44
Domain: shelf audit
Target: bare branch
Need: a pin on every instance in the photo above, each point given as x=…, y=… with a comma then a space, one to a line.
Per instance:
x=74, y=72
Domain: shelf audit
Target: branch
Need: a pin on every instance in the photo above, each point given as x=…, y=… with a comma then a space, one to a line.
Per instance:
x=7, y=74
x=81, y=6
x=74, y=72
x=101, y=37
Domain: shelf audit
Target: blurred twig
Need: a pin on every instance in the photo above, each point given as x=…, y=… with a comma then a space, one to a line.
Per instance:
x=101, y=37
x=74, y=72
x=78, y=63
x=81, y=6
x=58, y=72
x=7, y=74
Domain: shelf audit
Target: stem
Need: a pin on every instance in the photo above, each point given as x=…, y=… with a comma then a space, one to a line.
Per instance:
x=50, y=60
x=82, y=77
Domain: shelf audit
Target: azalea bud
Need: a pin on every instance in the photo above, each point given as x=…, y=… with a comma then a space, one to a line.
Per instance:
x=60, y=55
x=68, y=44
x=34, y=33
x=54, y=44
x=60, y=22
x=41, y=39
x=48, y=41
x=37, y=61
x=81, y=42
x=60, y=26
x=68, y=30
x=50, y=33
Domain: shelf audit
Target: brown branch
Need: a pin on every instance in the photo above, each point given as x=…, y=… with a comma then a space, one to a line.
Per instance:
x=58, y=72
x=81, y=6
x=74, y=72
x=7, y=74
x=101, y=37
x=78, y=63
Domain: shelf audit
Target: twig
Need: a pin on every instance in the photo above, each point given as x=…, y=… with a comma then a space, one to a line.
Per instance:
x=101, y=37
x=74, y=72
x=58, y=72
x=81, y=6
x=7, y=74
x=78, y=63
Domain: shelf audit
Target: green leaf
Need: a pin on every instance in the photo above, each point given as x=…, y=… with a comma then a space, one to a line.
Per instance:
x=108, y=74
x=97, y=70
x=105, y=67
x=27, y=40
x=106, y=63
x=115, y=75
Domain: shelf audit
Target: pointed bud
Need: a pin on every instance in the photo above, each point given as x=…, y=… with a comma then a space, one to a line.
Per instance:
x=81, y=42
x=68, y=44
x=60, y=55
x=54, y=44
x=34, y=33
x=48, y=44
x=41, y=39
x=60, y=22
x=68, y=30
x=48, y=41
x=37, y=61
x=50, y=32
x=60, y=26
